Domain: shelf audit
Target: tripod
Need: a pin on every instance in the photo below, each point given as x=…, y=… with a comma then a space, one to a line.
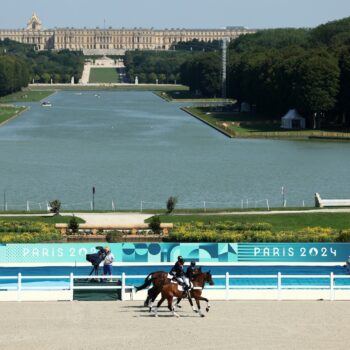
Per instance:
x=94, y=271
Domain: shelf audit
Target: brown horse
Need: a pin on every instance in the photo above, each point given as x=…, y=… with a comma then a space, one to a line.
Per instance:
x=157, y=279
x=170, y=291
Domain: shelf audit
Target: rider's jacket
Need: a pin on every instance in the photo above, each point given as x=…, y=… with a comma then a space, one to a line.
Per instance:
x=189, y=272
x=177, y=270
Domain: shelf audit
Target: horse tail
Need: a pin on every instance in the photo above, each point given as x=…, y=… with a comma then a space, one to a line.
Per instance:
x=147, y=283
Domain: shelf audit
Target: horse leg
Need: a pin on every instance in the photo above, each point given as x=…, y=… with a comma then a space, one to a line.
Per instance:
x=171, y=307
x=192, y=305
x=199, y=308
x=177, y=304
x=207, y=301
x=152, y=298
x=155, y=310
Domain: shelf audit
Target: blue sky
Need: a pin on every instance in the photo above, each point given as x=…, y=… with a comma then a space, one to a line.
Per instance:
x=173, y=14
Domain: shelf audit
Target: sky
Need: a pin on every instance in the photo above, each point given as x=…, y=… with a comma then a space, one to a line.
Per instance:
x=172, y=14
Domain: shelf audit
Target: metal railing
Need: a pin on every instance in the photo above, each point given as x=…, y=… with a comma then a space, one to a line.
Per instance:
x=227, y=286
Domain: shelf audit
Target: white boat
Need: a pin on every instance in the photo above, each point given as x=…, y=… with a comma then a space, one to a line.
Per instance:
x=46, y=104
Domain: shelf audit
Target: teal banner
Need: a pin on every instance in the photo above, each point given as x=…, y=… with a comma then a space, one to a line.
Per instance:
x=168, y=252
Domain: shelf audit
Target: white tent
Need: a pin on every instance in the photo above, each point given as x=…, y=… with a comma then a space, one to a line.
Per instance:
x=293, y=120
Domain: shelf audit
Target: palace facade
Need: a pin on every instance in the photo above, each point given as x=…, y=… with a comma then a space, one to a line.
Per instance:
x=108, y=40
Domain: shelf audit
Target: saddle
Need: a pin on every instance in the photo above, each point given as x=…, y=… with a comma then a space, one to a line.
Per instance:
x=173, y=280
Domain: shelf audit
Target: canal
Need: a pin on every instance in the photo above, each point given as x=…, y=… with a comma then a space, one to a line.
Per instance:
x=133, y=147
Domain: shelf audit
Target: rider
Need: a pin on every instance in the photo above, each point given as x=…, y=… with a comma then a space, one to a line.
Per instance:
x=190, y=270
x=178, y=273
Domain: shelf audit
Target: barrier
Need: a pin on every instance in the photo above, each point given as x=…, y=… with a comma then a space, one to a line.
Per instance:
x=227, y=291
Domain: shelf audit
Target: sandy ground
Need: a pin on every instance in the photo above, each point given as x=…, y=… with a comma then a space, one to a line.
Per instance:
x=126, y=325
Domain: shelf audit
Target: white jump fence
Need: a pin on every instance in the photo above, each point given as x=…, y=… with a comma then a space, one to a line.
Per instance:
x=329, y=290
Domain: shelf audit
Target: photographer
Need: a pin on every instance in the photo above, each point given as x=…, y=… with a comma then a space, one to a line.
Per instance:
x=108, y=261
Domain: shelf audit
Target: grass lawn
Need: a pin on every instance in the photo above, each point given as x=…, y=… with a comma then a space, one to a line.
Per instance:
x=45, y=219
x=8, y=112
x=104, y=75
x=27, y=96
x=279, y=222
x=186, y=96
x=246, y=125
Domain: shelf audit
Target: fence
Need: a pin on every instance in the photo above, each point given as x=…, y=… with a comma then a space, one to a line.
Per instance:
x=142, y=205
x=220, y=292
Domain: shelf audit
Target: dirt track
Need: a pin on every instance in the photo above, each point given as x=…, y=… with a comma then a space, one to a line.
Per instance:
x=125, y=325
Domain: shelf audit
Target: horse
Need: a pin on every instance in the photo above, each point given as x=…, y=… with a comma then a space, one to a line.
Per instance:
x=158, y=279
x=170, y=290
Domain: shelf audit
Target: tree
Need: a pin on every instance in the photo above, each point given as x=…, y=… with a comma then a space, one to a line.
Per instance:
x=155, y=224
x=55, y=207
x=170, y=204
x=73, y=224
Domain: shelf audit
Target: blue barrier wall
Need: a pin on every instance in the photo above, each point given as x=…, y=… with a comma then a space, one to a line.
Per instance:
x=168, y=252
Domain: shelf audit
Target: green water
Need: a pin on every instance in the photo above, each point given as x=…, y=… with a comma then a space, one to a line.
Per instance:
x=133, y=147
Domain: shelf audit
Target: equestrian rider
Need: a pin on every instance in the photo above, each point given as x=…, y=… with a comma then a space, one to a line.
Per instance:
x=178, y=273
x=190, y=270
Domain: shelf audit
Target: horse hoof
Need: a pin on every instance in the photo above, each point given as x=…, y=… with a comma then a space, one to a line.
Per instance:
x=179, y=306
x=176, y=315
x=202, y=315
x=149, y=309
x=207, y=309
x=155, y=315
x=196, y=311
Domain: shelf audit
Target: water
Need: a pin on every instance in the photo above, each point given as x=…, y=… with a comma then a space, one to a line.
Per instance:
x=133, y=147
x=215, y=270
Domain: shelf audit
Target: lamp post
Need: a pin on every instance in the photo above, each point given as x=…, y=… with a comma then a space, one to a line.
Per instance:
x=283, y=196
x=93, y=198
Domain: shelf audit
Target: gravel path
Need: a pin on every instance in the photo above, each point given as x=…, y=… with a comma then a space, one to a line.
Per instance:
x=126, y=325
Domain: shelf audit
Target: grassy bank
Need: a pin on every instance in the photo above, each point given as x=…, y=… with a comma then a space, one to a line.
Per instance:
x=249, y=125
x=278, y=222
x=8, y=112
x=186, y=96
x=44, y=219
x=27, y=95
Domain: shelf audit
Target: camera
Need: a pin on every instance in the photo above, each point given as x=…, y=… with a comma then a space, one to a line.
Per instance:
x=96, y=258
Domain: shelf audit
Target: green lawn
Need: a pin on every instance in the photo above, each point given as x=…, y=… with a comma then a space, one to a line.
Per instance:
x=186, y=96
x=246, y=125
x=45, y=219
x=104, y=75
x=279, y=222
x=27, y=96
x=8, y=112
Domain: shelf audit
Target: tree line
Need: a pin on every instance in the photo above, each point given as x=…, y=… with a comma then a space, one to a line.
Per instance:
x=21, y=64
x=165, y=66
x=278, y=69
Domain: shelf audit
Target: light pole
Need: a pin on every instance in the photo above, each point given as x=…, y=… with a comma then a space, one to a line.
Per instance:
x=283, y=196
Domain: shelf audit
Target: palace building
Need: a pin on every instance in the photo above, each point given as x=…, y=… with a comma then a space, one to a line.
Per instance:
x=113, y=40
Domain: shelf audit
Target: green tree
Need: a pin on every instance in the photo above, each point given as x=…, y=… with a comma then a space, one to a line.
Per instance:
x=171, y=204
x=73, y=224
x=155, y=224
x=55, y=207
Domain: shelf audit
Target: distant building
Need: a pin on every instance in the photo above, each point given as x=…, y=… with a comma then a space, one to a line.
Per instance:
x=99, y=41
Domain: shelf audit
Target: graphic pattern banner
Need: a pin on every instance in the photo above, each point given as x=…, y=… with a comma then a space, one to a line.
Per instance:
x=168, y=252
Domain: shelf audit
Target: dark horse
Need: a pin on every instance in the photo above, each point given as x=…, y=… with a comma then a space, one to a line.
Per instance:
x=171, y=290
x=158, y=279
